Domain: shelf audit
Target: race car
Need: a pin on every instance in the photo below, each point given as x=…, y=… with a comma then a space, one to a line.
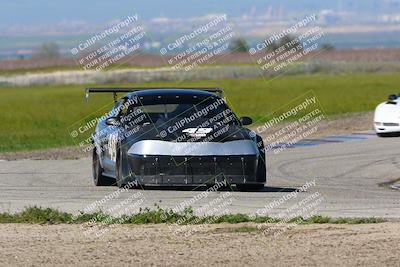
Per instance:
x=174, y=137
x=387, y=117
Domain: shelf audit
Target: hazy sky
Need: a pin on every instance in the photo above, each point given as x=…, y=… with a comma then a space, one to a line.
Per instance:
x=50, y=11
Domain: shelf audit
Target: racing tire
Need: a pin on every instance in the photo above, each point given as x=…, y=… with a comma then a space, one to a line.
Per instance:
x=98, y=178
x=394, y=134
x=120, y=178
x=261, y=166
x=118, y=170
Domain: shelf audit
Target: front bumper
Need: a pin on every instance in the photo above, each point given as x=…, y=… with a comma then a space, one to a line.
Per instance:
x=193, y=170
x=159, y=162
x=387, y=127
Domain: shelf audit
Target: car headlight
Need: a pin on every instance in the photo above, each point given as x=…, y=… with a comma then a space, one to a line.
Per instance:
x=378, y=123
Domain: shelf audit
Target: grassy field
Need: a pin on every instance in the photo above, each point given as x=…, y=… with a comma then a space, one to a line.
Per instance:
x=42, y=117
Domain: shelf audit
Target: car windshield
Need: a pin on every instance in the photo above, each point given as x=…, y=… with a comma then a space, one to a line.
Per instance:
x=214, y=110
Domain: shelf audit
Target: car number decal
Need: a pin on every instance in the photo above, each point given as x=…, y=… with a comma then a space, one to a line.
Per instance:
x=197, y=132
x=112, y=146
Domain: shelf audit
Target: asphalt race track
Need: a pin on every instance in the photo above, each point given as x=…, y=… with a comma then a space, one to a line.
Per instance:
x=349, y=181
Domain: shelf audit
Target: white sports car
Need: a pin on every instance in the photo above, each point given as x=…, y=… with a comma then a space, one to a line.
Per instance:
x=387, y=117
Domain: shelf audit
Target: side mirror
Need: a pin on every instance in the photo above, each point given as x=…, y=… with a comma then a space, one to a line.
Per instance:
x=245, y=120
x=113, y=121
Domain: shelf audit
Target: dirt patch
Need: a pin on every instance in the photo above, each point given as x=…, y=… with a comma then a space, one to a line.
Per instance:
x=53, y=153
x=335, y=125
x=345, y=124
x=222, y=245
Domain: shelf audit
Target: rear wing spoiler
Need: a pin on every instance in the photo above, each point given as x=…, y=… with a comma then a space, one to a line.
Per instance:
x=114, y=91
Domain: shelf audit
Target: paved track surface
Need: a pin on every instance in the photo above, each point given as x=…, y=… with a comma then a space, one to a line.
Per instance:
x=348, y=183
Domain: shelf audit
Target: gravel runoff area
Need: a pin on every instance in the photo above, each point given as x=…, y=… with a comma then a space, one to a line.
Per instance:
x=210, y=245
x=343, y=124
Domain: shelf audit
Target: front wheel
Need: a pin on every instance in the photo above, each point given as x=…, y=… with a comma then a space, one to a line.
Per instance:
x=118, y=168
x=98, y=178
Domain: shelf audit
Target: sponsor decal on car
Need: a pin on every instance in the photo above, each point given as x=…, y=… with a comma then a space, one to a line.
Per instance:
x=197, y=132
